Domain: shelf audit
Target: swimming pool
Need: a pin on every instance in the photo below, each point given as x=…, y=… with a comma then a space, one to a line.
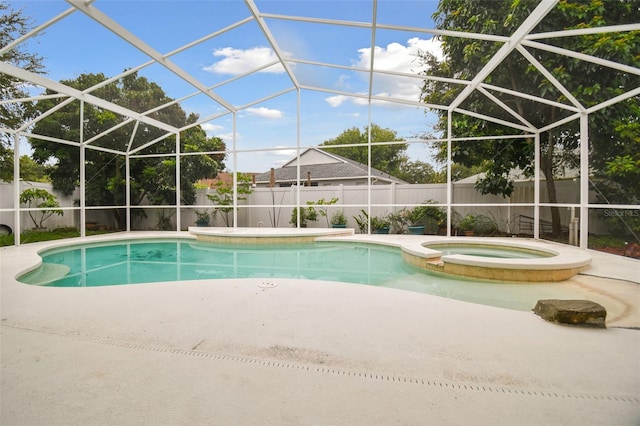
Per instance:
x=176, y=260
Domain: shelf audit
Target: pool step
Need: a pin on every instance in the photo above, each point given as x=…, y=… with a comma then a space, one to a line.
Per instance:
x=45, y=274
x=435, y=264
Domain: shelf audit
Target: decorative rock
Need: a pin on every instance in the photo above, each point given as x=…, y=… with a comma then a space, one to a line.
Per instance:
x=572, y=312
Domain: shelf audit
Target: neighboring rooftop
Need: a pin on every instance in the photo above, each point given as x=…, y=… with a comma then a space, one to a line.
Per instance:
x=320, y=167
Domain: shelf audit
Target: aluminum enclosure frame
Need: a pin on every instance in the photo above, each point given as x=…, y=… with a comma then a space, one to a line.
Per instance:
x=519, y=42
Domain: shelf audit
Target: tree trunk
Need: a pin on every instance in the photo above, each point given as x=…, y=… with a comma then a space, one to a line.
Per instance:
x=120, y=218
x=119, y=215
x=546, y=164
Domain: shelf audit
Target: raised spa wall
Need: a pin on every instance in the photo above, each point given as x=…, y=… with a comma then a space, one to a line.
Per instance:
x=263, y=239
x=493, y=272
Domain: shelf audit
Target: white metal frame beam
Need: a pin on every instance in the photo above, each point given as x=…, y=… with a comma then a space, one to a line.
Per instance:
x=77, y=94
x=272, y=41
x=529, y=24
x=522, y=41
x=127, y=36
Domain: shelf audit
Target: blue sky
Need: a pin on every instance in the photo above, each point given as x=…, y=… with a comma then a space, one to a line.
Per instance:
x=77, y=44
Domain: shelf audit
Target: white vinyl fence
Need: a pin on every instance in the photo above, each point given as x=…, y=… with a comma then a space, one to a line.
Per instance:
x=272, y=207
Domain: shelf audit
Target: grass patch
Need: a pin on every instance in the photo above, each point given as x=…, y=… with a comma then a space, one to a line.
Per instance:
x=603, y=241
x=34, y=236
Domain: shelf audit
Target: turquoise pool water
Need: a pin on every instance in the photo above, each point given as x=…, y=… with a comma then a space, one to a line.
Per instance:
x=158, y=261
x=488, y=251
x=149, y=261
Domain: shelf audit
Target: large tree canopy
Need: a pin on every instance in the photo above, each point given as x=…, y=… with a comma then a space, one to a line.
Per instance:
x=153, y=176
x=391, y=158
x=13, y=114
x=386, y=158
x=613, y=132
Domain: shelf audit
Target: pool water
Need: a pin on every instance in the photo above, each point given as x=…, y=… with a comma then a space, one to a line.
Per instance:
x=488, y=251
x=136, y=262
x=145, y=262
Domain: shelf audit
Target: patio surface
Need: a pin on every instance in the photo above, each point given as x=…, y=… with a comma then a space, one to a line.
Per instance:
x=306, y=352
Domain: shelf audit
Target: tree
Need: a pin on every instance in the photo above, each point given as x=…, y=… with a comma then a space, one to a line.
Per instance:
x=29, y=169
x=44, y=200
x=418, y=172
x=386, y=158
x=588, y=82
x=13, y=24
x=32, y=171
x=223, y=198
x=617, y=167
x=151, y=177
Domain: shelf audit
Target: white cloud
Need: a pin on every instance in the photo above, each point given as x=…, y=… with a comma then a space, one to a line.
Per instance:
x=265, y=112
x=282, y=156
x=228, y=137
x=336, y=101
x=399, y=57
x=239, y=61
x=288, y=153
x=395, y=57
x=263, y=161
x=343, y=82
x=211, y=128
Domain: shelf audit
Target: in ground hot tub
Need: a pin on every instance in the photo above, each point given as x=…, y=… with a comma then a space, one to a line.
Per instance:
x=502, y=259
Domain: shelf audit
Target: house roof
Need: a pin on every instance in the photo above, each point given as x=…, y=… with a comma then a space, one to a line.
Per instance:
x=336, y=167
x=517, y=175
x=225, y=177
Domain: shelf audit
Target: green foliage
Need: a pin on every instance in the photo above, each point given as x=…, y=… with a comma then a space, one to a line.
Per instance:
x=377, y=222
x=429, y=216
x=613, y=132
x=164, y=222
x=419, y=172
x=480, y=224
x=6, y=240
x=398, y=222
x=13, y=25
x=202, y=218
x=310, y=213
x=386, y=158
x=306, y=214
x=37, y=235
x=420, y=215
x=604, y=241
x=322, y=211
x=362, y=220
x=41, y=199
x=29, y=170
x=223, y=198
x=620, y=178
x=468, y=223
x=486, y=225
x=32, y=171
x=339, y=218
x=622, y=222
x=151, y=177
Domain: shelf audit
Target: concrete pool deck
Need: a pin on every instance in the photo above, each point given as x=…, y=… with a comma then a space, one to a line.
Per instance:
x=304, y=352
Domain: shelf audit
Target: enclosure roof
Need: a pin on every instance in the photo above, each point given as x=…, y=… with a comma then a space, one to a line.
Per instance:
x=288, y=57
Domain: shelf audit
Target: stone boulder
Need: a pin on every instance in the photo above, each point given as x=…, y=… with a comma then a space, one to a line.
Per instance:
x=583, y=313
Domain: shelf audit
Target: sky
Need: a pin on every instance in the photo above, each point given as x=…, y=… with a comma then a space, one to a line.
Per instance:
x=77, y=44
